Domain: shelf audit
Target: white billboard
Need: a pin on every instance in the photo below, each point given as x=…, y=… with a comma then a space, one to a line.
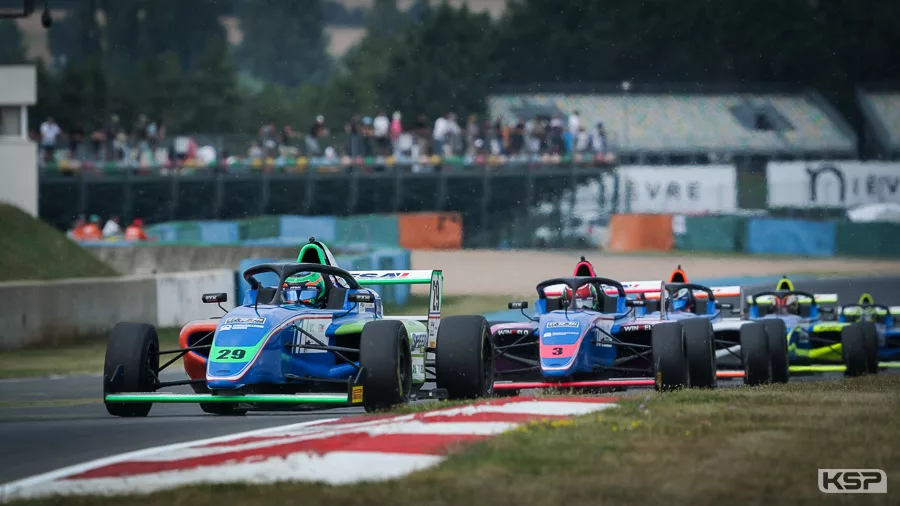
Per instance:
x=841, y=184
x=683, y=189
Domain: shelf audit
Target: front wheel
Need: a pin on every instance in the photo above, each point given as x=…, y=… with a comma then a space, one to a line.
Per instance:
x=776, y=332
x=701, y=352
x=131, y=365
x=870, y=335
x=385, y=355
x=854, y=349
x=755, y=354
x=670, y=364
x=464, y=357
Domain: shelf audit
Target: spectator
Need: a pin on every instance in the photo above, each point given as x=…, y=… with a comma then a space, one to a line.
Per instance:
x=76, y=137
x=439, y=133
x=516, y=137
x=473, y=134
x=110, y=134
x=555, y=142
x=77, y=232
x=367, y=139
x=49, y=132
x=420, y=130
x=255, y=152
x=91, y=231
x=396, y=126
x=135, y=231
x=353, y=128
x=582, y=141
x=316, y=132
x=574, y=122
x=112, y=228
x=598, y=139
x=381, y=127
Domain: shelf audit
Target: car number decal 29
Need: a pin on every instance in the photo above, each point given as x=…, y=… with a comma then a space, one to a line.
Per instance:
x=240, y=354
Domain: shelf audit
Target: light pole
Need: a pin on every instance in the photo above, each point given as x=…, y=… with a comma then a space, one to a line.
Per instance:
x=626, y=86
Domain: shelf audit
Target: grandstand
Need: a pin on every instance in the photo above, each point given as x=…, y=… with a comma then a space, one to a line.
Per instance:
x=881, y=106
x=650, y=125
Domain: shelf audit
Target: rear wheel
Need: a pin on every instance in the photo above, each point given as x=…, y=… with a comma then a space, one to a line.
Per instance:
x=854, y=349
x=670, y=364
x=870, y=335
x=776, y=332
x=385, y=355
x=755, y=354
x=701, y=352
x=131, y=365
x=464, y=358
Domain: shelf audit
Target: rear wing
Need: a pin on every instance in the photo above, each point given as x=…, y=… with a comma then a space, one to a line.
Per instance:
x=856, y=311
x=821, y=298
x=417, y=277
x=652, y=289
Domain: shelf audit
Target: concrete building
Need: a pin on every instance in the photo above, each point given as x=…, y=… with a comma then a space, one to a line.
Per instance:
x=18, y=154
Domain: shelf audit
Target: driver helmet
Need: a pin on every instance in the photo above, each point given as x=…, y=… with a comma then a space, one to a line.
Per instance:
x=308, y=289
x=586, y=296
x=681, y=300
x=790, y=304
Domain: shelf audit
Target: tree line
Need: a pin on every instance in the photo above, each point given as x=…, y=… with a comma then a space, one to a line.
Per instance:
x=170, y=59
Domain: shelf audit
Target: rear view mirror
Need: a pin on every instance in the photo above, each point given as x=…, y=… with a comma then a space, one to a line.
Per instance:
x=827, y=310
x=522, y=304
x=360, y=297
x=635, y=303
x=215, y=298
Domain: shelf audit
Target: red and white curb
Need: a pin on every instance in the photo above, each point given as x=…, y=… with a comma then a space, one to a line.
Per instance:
x=334, y=451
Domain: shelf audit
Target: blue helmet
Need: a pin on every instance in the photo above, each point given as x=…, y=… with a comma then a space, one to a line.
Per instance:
x=682, y=300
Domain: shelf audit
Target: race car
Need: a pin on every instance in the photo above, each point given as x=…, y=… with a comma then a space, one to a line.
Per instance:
x=744, y=349
x=886, y=326
x=582, y=337
x=815, y=344
x=318, y=338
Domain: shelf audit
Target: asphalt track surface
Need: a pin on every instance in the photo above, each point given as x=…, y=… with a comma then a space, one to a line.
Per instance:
x=48, y=423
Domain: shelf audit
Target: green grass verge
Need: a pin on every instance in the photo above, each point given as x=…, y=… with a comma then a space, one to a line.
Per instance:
x=728, y=446
x=87, y=357
x=31, y=250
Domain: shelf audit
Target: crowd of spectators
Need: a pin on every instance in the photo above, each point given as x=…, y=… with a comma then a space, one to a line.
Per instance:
x=383, y=135
x=90, y=229
x=146, y=143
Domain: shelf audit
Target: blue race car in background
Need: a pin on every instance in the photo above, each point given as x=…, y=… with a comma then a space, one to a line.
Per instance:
x=886, y=326
x=744, y=349
x=276, y=350
x=582, y=337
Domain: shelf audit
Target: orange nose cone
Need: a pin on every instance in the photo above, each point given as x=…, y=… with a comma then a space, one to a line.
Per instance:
x=678, y=276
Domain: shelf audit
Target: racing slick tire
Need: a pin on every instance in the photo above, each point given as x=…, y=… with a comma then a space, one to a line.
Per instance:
x=755, y=354
x=855, y=351
x=133, y=347
x=870, y=335
x=464, y=357
x=386, y=358
x=700, y=341
x=670, y=361
x=776, y=331
x=218, y=408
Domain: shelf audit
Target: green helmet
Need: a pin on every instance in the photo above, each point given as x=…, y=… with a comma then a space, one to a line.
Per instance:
x=308, y=289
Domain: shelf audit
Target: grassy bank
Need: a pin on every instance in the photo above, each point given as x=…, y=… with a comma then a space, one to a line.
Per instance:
x=32, y=250
x=729, y=446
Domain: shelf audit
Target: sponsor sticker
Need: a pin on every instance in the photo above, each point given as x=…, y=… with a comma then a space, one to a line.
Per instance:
x=852, y=481
x=635, y=328
x=554, y=325
x=356, y=394
x=246, y=319
x=512, y=332
x=383, y=275
x=419, y=339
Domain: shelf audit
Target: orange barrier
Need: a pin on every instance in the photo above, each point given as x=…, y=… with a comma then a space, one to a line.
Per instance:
x=430, y=230
x=641, y=232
